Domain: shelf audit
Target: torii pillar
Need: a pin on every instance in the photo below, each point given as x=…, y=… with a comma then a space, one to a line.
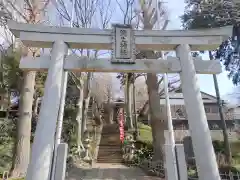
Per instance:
x=64, y=38
x=42, y=149
x=201, y=137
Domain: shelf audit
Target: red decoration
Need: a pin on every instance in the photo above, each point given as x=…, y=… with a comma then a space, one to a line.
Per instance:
x=121, y=124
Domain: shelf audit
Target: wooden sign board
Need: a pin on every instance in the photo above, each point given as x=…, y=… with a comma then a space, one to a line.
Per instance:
x=123, y=45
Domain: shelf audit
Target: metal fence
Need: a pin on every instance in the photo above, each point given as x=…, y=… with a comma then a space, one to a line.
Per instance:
x=225, y=176
x=156, y=168
x=152, y=168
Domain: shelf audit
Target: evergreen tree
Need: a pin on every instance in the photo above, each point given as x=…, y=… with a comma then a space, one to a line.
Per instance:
x=212, y=14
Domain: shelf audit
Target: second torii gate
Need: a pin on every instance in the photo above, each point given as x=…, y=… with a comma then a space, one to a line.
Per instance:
x=62, y=38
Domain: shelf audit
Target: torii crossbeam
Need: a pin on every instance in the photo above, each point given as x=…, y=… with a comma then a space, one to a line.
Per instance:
x=62, y=38
x=164, y=40
x=85, y=64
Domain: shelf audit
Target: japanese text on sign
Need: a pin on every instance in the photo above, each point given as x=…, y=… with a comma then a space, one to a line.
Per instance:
x=123, y=44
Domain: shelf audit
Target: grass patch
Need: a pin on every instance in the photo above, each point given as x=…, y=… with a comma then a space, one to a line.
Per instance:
x=145, y=133
x=235, y=147
x=14, y=179
x=5, y=157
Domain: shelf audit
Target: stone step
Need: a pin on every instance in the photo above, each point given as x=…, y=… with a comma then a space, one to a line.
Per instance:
x=111, y=132
x=111, y=139
x=112, y=160
x=112, y=152
x=110, y=148
x=116, y=159
x=114, y=132
x=113, y=157
x=110, y=143
x=107, y=134
x=109, y=155
x=110, y=128
x=109, y=162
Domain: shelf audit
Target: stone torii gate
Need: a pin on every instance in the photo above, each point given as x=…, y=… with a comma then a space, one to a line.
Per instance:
x=60, y=39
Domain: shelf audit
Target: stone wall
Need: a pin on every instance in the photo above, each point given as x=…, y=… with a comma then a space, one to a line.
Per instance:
x=187, y=142
x=216, y=135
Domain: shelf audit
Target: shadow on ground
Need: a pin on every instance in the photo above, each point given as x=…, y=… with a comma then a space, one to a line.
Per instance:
x=108, y=172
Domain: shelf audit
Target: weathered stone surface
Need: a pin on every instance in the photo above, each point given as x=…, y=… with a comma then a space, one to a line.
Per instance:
x=108, y=172
x=60, y=168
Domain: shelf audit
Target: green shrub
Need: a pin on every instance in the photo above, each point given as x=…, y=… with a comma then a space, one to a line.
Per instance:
x=142, y=154
x=218, y=146
x=226, y=169
x=15, y=179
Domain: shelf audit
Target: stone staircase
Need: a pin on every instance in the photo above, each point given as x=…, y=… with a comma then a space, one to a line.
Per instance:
x=110, y=145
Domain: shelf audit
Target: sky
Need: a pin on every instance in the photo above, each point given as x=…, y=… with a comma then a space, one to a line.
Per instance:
x=176, y=8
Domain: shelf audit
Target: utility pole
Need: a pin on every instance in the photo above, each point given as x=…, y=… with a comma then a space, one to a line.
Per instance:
x=221, y=115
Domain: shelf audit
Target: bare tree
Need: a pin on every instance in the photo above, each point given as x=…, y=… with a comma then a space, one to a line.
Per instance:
x=102, y=91
x=142, y=89
x=102, y=87
x=32, y=12
x=88, y=13
x=148, y=16
x=127, y=8
x=141, y=94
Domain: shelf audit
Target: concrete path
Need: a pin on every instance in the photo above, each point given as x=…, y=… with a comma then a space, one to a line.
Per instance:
x=108, y=172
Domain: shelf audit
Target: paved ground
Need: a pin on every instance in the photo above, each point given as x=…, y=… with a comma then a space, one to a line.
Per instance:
x=108, y=172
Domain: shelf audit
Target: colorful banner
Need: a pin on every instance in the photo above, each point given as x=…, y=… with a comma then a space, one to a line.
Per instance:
x=121, y=124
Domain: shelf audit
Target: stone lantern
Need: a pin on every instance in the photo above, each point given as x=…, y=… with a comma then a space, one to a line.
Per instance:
x=87, y=145
x=3, y=103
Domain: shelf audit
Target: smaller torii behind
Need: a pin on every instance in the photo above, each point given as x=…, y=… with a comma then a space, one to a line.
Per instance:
x=62, y=38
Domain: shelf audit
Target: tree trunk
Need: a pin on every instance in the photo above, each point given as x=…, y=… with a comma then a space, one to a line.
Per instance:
x=129, y=119
x=22, y=145
x=108, y=109
x=8, y=104
x=110, y=114
x=85, y=114
x=134, y=108
x=79, y=118
x=149, y=118
x=86, y=103
x=97, y=113
x=36, y=102
x=4, y=101
x=224, y=126
x=157, y=121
